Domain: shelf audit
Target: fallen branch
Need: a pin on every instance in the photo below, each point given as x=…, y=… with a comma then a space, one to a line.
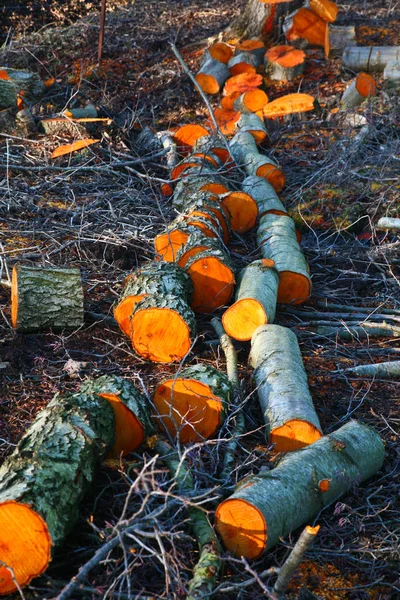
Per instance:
x=384, y=369
x=350, y=332
x=388, y=223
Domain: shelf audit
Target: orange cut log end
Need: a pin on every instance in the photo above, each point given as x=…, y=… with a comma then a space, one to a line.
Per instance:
x=160, y=335
x=272, y=174
x=213, y=284
x=227, y=102
x=190, y=407
x=243, y=211
x=255, y=100
x=308, y=25
x=14, y=298
x=365, y=85
x=192, y=252
x=242, y=67
x=325, y=9
x=294, y=288
x=285, y=56
x=249, y=45
x=129, y=433
x=25, y=545
x=242, y=527
x=221, y=51
x=288, y=105
x=187, y=135
x=214, y=188
x=294, y=435
x=242, y=83
x=243, y=317
x=226, y=119
x=168, y=244
x=124, y=310
x=208, y=83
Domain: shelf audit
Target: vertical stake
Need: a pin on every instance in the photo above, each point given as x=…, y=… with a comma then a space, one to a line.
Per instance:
x=101, y=34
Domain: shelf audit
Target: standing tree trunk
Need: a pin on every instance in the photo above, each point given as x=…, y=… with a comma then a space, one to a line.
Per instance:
x=261, y=19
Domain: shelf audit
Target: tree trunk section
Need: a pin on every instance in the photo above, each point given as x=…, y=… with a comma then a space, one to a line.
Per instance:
x=46, y=298
x=264, y=194
x=284, y=63
x=282, y=388
x=362, y=88
x=245, y=62
x=212, y=76
x=195, y=244
x=271, y=505
x=370, y=59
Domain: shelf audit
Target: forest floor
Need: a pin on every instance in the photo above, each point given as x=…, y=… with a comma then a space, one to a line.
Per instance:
x=103, y=221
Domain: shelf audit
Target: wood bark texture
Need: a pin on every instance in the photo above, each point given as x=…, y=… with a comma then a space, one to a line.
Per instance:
x=264, y=194
x=371, y=59
x=212, y=76
x=341, y=36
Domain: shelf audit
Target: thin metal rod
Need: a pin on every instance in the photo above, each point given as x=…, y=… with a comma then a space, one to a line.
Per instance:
x=101, y=34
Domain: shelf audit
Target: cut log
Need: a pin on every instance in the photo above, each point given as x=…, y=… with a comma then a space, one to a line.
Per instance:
x=284, y=63
x=193, y=404
x=242, y=83
x=288, y=105
x=264, y=195
x=391, y=75
x=195, y=244
x=250, y=102
x=362, y=88
x=260, y=18
x=244, y=150
x=213, y=277
x=242, y=209
x=304, y=26
x=197, y=160
x=384, y=369
x=325, y=9
x=228, y=102
x=163, y=328
x=204, y=206
x=277, y=239
x=371, y=59
x=341, y=36
x=187, y=136
x=60, y=126
x=221, y=52
x=282, y=389
x=255, y=300
x=8, y=94
x=131, y=411
x=46, y=298
x=154, y=279
x=255, y=46
x=245, y=62
x=215, y=147
x=189, y=188
x=271, y=505
x=15, y=82
x=86, y=112
x=167, y=244
x=212, y=76
x=43, y=481
x=7, y=120
x=253, y=124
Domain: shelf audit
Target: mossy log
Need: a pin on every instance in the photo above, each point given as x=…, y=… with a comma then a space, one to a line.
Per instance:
x=284, y=63
x=168, y=244
x=213, y=276
x=197, y=242
x=282, y=389
x=269, y=506
x=264, y=195
x=205, y=205
x=369, y=59
x=43, y=481
x=185, y=190
x=131, y=411
x=193, y=404
x=277, y=240
x=212, y=76
x=244, y=150
x=359, y=90
x=255, y=300
x=244, y=62
x=46, y=298
x=154, y=279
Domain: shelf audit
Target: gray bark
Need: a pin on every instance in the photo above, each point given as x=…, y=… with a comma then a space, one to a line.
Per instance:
x=370, y=59
x=264, y=194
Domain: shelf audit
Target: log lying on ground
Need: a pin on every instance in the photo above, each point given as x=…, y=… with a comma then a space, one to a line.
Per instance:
x=212, y=76
x=277, y=240
x=154, y=279
x=284, y=63
x=169, y=243
x=391, y=74
x=203, y=205
x=194, y=403
x=242, y=83
x=341, y=36
x=325, y=9
x=195, y=244
x=221, y=51
x=271, y=505
x=213, y=277
x=216, y=147
x=242, y=209
x=371, y=59
x=232, y=121
x=187, y=136
x=383, y=369
x=86, y=112
x=195, y=160
x=131, y=411
x=359, y=90
x=255, y=46
x=250, y=102
x=244, y=150
x=282, y=389
x=43, y=481
x=244, y=62
x=355, y=332
x=388, y=223
x=304, y=26
x=264, y=195
x=288, y=105
x=255, y=300
x=185, y=190
x=15, y=82
x=46, y=298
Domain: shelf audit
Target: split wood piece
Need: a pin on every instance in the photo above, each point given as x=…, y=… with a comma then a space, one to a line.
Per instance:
x=87, y=112
x=242, y=83
x=242, y=209
x=46, y=298
x=187, y=136
x=228, y=102
x=45, y=478
x=221, y=52
x=362, y=88
x=131, y=411
x=388, y=223
x=264, y=195
x=195, y=244
x=341, y=36
x=255, y=300
x=271, y=505
x=284, y=63
x=154, y=279
x=277, y=240
x=325, y=9
x=16, y=83
x=242, y=63
x=282, y=389
x=186, y=189
x=204, y=206
x=288, y=105
x=163, y=328
x=383, y=369
x=212, y=76
x=193, y=404
x=304, y=26
x=250, y=102
x=213, y=277
x=391, y=75
x=199, y=160
x=167, y=244
x=255, y=46
x=244, y=150
x=370, y=59
x=215, y=147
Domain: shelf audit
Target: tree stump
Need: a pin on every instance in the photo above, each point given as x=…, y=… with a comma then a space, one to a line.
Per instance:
x=244, y=62
x=359, y=90
x=284, y=63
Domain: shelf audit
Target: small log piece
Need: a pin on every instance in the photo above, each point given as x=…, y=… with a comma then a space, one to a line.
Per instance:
x=252, y=101
x=369, y=59
x=284, y=63
x=242, y=83
x=186, y=137
x=325, y=9
x=359, y=90
x=193, y=405
x=15, y=82
x=197, y=242
x=282, y=389
x=264, y=195
x=185, y=190
x=220, y=51
x=271, y=505
x=305, y=27
x=255, y=300
x=288, y=105
x=45, y=478
x=277, y=239
x=167, y=244
x=212, y=76
x=232, y=121
x=242, y=209
x=86, y=112
x=46, y=298
x=255, y=46
x=244, y=62
x=216, y=147
x=196, y=160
